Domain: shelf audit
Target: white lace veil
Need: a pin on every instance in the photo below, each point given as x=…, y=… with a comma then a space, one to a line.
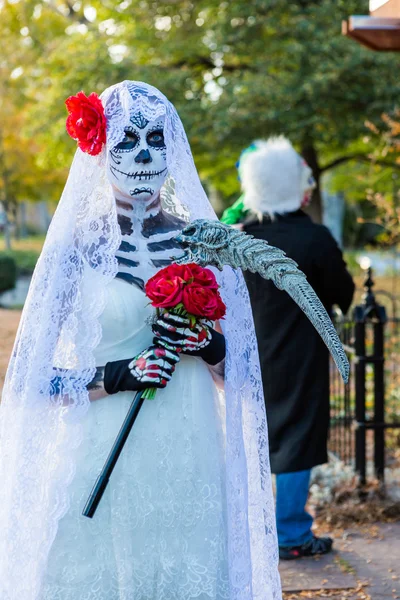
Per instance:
x=58, y=333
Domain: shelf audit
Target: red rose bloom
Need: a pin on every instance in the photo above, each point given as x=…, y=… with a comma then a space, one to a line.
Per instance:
x=172, y=271
x=221, y=309
x=202, y=276
x=86, y=122
x=200, y=301
x=165, y=291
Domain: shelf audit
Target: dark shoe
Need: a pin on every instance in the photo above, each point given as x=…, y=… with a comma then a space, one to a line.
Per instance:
x=317, y=545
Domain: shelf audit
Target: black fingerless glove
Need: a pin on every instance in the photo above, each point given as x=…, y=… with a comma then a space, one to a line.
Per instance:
x=199, y=339
x=212, y=354
x=118, y=378
x=215, y=351
x=152, y=368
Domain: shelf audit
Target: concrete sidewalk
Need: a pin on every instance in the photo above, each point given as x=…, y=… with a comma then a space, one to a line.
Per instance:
x=366, y=559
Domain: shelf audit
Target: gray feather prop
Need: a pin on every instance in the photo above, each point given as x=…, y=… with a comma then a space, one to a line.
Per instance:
x=211, y=243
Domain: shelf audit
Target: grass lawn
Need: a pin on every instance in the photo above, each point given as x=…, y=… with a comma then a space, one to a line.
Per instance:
x=32, y=243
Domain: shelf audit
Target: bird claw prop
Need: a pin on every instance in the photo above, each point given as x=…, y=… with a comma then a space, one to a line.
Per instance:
x=211, y=243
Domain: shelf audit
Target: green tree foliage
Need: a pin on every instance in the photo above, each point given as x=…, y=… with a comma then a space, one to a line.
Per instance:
x=384, y=184
x=21, y=174
x=237, y=70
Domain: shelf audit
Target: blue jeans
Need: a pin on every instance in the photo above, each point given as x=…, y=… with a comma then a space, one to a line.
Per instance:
x=292, y=520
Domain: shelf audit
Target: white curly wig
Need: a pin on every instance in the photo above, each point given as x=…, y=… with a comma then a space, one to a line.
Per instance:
x=275, y=178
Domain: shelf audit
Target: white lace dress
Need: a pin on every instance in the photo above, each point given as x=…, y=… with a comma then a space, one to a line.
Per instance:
x=159, y=532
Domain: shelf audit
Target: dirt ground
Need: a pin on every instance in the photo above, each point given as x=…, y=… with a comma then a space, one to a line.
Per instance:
x=364, y=566
x=9, y=320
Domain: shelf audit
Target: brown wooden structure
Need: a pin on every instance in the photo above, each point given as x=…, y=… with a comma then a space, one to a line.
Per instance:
x=378, y=31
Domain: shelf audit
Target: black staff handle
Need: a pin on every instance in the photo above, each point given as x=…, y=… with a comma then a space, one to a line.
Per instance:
x=103, y=479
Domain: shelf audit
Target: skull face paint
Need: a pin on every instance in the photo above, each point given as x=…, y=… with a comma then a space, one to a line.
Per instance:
x=137, y=169
x=137, y=166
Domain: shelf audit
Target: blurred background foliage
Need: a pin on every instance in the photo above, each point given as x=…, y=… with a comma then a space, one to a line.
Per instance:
x=236, y=70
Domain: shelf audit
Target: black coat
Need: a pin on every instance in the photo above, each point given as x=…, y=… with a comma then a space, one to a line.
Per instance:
x=294, y=359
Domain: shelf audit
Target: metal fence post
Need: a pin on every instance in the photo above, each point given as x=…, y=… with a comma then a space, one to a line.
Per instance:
x=370, y=313
x=359, y=380
x=379, y=397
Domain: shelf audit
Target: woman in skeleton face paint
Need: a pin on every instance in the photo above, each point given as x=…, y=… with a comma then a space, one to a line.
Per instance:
x=189, y=511
x=137, y=169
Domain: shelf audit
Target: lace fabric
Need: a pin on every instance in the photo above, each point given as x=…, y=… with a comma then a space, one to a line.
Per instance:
x=60, y=330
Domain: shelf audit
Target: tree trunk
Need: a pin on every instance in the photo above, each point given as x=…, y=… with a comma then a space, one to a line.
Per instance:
x=315, y=208
x=7, y=232
x=8, y=207
x=309, y=153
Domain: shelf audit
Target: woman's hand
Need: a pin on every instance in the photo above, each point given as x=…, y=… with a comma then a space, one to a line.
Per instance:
x=152, y=368
x=197, y=340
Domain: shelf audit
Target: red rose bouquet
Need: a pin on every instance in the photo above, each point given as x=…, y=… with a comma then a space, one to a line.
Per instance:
x=186, y=290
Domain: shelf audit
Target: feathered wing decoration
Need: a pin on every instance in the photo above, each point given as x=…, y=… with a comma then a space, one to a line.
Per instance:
x=40, y=432
x=212, y=243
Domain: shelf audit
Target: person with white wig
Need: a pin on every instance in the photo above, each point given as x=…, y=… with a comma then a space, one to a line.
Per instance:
x=188, y=512
x=277, y=185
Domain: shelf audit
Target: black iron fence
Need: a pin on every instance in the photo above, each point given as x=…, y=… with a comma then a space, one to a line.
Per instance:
x=365, y=409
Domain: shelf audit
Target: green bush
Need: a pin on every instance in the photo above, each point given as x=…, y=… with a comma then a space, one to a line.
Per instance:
x=8, y=272
x=26, y=260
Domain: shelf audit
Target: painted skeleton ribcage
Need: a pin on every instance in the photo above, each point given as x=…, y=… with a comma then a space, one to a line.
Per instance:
x=147, y=246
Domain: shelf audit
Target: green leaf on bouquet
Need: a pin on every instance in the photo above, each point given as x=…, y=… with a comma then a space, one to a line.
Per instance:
x=192, y=319
x=179, y=309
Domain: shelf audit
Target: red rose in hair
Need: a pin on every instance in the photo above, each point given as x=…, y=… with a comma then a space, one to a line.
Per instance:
x=201, y=301
x=164, y=291
x=86, y=122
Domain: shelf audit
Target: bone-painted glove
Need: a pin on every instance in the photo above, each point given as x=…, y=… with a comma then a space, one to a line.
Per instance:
x=198, y=340
x=152, y=368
